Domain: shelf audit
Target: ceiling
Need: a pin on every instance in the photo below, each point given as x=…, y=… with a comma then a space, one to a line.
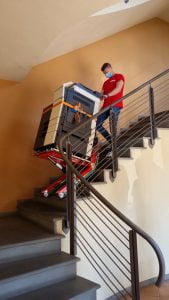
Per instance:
x=35, y=31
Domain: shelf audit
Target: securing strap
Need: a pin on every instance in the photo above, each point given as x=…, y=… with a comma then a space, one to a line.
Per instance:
x=76, y=107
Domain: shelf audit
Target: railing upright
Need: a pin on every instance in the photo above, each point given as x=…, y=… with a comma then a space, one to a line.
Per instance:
x=71, y=194
x=113, y=130
x=152, y=116
x=134, y=265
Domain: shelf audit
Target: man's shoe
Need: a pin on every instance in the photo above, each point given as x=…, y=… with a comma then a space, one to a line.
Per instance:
x=109, y=154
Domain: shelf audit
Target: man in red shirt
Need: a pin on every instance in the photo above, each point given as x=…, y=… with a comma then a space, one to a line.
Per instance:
x=112, y=91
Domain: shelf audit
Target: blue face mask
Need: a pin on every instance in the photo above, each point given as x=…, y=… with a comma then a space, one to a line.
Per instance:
x=109, y=74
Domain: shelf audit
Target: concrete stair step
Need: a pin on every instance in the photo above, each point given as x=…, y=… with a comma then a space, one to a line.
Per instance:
x=20, y=239
x=46, y=216
x=26, y=275
x=52, y=179
x=163, y=124
x=37, y=194
x=45, y=209
x=130, y=142
x=124, y=152
x=97, y=176
x=52, y=201
x=55, y=201
x=160, y=118
x=37, y=191
x=105, y=162
x=86, y=192
x=135, y=134
x=139, y=127
x=59, y=203
x=77, y=288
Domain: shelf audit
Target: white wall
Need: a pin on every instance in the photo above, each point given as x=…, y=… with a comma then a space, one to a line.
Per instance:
x=141, y=192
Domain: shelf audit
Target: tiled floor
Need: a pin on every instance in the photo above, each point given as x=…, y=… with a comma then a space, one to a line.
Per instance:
x=154, y=293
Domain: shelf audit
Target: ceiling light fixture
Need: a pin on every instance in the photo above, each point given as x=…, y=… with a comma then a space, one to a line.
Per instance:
x=120, y=6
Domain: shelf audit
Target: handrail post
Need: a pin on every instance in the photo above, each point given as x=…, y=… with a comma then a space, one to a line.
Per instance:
x=152, y=116
x=134, y=265
x=70, y=200
x=113, y=130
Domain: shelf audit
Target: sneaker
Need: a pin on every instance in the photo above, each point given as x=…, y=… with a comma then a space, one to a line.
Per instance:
x=109, y=154
x=109, y=147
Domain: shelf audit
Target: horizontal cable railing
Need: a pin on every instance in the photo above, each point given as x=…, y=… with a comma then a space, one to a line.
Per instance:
x=98, y=231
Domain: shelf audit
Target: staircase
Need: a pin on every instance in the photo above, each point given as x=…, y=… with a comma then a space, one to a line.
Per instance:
x=129, y=138
x=50, y=213
x=32, y=265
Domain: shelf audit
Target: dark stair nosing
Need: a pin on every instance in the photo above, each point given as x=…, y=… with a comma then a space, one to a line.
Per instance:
x=77, y=288
x=137, y=147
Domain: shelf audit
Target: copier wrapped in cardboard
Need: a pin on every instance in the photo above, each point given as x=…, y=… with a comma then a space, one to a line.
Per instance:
x=73, y=103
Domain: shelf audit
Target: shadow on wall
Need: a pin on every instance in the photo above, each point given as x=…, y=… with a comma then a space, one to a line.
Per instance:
x=151, y=201
x=20, y=171
x=151, y=188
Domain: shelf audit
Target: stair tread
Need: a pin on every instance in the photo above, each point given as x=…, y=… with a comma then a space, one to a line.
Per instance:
x=65, y=290
x=97, y=176
x=52, y=201
x=17, y=230
x=42, y=208
x=35, y=264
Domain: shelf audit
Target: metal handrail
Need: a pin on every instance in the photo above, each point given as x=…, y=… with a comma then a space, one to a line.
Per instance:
x=114, y=103
x=121, y=216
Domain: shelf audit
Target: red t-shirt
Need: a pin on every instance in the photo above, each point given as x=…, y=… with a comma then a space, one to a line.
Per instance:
x=108, y=86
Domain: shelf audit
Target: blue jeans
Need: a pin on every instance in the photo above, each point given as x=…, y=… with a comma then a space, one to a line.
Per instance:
x=102, y=118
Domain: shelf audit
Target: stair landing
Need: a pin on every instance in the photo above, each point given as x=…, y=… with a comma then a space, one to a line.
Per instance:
x=152, y=292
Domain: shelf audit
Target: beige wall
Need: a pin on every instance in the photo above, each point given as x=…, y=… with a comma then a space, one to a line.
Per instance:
x=6, y=83
x=139, y=53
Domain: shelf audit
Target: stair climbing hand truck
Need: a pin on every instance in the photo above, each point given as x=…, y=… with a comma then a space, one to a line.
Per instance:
x=73, y=103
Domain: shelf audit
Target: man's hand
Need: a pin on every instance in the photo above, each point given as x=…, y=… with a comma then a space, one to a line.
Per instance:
x=102, y=100
x=104, y=97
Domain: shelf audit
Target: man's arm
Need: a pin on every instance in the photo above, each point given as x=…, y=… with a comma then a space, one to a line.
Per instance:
x=117, y=89
x=102, y=98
